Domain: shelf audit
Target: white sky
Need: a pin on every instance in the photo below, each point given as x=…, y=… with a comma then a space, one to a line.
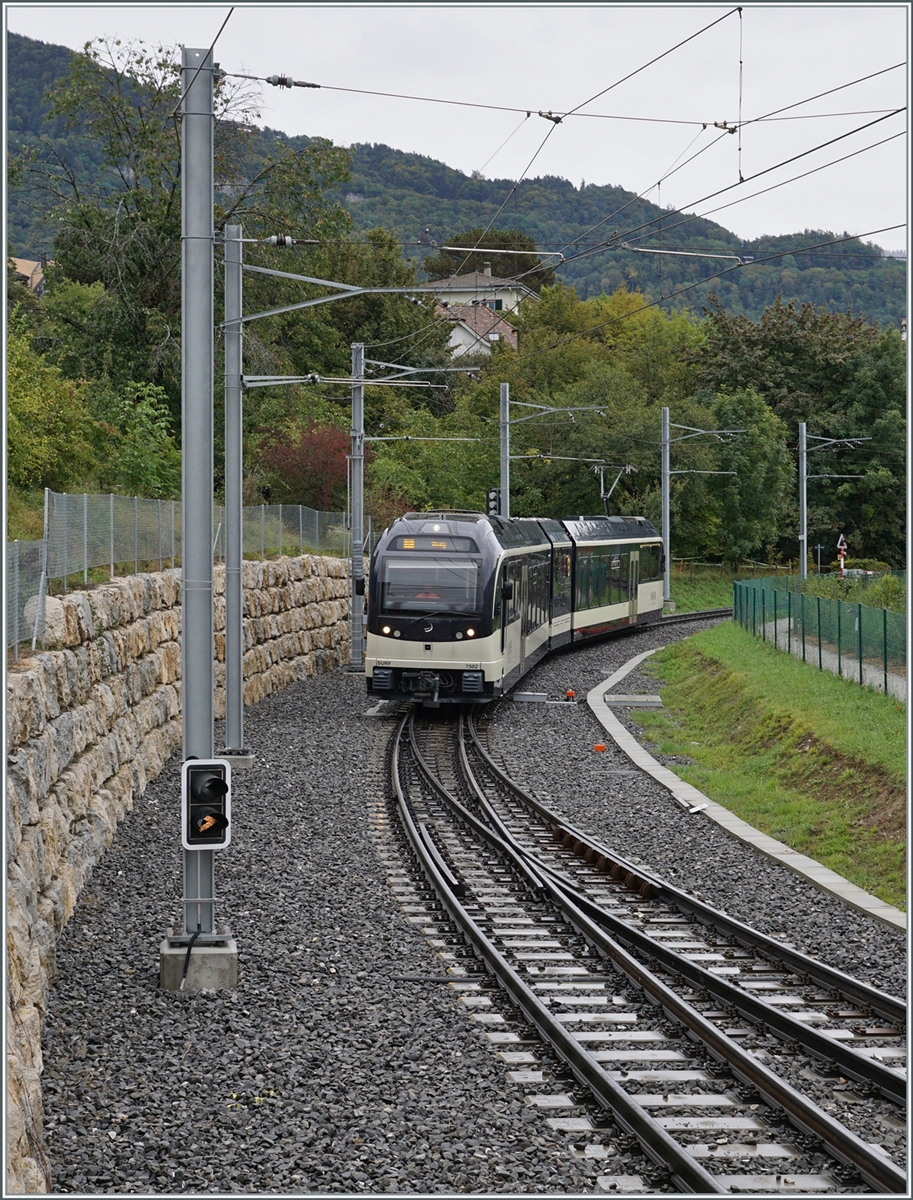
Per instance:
x=556, y=57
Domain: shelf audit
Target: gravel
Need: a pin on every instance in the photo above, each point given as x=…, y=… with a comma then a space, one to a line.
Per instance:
x=636, y=816
x=320, y=1072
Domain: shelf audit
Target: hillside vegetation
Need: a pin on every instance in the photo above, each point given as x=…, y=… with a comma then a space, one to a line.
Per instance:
x=95, y=390
x=409, y=194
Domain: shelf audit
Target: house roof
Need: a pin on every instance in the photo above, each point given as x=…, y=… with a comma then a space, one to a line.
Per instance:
x=475, y=281
x=32, y=272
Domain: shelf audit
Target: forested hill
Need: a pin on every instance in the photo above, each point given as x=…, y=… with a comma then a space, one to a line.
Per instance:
x=410, y=194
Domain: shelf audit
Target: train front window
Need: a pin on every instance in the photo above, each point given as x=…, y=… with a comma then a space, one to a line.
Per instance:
x=423, y=584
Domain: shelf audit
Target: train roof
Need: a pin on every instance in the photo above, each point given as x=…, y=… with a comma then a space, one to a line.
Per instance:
x=599, y=527
x=529, y=531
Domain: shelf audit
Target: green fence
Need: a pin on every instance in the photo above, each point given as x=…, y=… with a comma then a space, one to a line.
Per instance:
x=856, y=641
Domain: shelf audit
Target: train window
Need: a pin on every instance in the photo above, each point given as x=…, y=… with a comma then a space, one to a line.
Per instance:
x=421, y=584
x=650, y=563
x=561, y=584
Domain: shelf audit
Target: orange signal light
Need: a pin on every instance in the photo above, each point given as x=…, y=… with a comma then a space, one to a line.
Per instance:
x=570, y=694
x=599, y=747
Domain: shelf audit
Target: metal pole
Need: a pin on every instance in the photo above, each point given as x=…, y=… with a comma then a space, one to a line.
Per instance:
x=505, y=451
x=884, y=646
x=859, y=642
x=197, y=459
x=16, y=603
x=43, y=583
x=111, y=509
x=64, y=523
x=160, y=533
x=280, y=530
x=358, y=503
x=665, y=504
x=839, y=639
x=803, y=505
x=234, y=516
x=136, y=535
x=85, y=538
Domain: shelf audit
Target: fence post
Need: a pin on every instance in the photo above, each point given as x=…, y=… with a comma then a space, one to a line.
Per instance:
x=859, y=623
x=884, y=646
x=111, y=508
x=85, y=538
x=65, y=546
x=317, y=530
x=136, y=535
x=172, y=534
x=802, y=620
x=839, y=637
x=16, y=601
x=776, y=642
x=301, y=529
x=160, y=534
x=280, y=530
x=42, y=586
x=818, y=606
x=789, y=622
x=262, y=532
x=763, y=614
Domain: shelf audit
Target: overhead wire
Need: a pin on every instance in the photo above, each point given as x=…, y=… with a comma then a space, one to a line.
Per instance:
x=557, y=120
x=626, y=236
x=688, y=218
x=700, y=282
x=767, y=116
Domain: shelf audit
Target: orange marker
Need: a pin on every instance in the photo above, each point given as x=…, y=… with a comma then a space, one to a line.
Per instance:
x=569, y=694
x=600, y=747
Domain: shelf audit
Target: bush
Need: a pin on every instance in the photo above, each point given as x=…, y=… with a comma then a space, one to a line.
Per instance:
x=49, y=428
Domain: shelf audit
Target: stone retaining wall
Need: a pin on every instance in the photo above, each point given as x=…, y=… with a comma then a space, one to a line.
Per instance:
x=89, y=724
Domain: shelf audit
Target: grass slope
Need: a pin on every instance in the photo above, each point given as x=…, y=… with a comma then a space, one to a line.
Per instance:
x=812, y=760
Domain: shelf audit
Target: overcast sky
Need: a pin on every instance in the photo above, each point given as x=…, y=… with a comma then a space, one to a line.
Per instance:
x=549, y=57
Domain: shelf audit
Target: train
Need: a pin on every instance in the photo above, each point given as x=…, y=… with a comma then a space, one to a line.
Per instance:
x=462, y=605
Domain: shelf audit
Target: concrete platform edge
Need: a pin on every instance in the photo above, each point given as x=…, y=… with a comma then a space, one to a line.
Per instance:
x=692, y=799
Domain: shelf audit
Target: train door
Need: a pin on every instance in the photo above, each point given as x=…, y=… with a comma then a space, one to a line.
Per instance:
x=524, y=612
x=633, y=585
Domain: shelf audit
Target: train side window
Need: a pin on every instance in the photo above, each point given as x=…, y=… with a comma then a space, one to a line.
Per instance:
x=561, y=602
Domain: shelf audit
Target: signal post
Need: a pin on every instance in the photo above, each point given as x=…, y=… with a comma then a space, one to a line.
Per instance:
x=202, y=954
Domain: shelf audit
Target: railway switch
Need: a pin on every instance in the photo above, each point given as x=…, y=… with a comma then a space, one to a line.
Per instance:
x=205, y=804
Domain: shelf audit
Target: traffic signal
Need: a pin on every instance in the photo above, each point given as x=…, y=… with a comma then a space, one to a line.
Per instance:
x=205, y=804
x=493, y=502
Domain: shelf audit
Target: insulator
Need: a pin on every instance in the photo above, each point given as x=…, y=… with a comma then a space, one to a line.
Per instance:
x=280, y=80
x=281, y=239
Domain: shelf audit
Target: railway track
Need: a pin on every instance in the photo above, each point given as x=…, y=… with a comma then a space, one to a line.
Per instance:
x=681, y=1031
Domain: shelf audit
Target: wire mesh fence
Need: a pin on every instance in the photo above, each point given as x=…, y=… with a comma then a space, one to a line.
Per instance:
x=856, y=641
x=123, y=534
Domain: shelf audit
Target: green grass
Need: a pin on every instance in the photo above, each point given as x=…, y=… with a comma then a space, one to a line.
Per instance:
x=694, y=594
x=810, y=759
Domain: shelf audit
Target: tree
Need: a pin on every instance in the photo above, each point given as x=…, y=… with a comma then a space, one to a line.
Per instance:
x=844, y=378
x=750, y=502
x=120, y=227
x=48, y=422
x=306, y=464
x=526, y=265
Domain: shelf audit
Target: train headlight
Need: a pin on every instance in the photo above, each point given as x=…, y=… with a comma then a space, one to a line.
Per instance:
x=470, y=633
x=386, y=629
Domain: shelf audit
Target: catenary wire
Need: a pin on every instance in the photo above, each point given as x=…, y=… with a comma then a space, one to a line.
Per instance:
x=757, y=175
x=699, y=283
